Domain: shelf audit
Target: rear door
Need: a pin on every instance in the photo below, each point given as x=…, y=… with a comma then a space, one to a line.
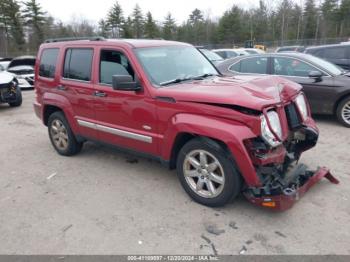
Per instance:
x=76, y=85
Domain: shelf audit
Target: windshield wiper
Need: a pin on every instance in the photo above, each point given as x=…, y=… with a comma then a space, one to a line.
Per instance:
x=203, y=76
x=175, y=81
x=179, y=80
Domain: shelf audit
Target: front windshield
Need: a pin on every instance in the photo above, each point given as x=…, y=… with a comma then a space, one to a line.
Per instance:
x=333, y=69
x=165, y=64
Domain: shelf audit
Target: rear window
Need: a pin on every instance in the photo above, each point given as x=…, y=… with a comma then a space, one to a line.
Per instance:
x=48, y=61
x=77, y=64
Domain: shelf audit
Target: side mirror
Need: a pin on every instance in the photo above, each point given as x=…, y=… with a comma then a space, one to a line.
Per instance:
x=317, y=75
x=124, y=83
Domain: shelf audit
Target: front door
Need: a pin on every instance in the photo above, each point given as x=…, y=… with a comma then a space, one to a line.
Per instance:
x=318, y=92
x=123, y=118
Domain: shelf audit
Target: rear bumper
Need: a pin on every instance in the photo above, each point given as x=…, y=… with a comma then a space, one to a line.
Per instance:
x=292, y=192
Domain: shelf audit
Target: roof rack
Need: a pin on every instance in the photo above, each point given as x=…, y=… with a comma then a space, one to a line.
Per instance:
x=65, y=39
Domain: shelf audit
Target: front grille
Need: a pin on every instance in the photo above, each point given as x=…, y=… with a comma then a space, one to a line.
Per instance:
x=293, y=117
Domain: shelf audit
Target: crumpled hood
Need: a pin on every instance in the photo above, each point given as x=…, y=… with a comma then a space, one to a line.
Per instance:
x=254, y=92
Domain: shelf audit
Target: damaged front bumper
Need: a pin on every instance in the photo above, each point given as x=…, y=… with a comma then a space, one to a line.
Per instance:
x=296, y=183
x=282, y=180
x=8, y=93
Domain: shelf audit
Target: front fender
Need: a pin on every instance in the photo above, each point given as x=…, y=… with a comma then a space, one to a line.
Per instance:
x=232, y=133
x=60, y=101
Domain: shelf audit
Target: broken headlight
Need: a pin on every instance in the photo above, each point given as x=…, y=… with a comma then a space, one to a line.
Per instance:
x=302, y=105
x=270, y=130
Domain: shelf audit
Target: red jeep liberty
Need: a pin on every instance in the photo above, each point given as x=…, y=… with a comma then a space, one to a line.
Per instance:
x=224, y=135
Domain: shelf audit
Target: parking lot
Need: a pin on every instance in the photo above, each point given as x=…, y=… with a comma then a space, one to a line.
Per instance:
x=106, y=202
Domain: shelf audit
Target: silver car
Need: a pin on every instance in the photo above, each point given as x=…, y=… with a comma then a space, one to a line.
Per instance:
x=23, y=68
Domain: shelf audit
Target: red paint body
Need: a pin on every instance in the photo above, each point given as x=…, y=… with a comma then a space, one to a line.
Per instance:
x=193, y=107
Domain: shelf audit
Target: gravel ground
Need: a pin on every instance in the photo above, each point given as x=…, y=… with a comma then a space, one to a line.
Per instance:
x=106, y=202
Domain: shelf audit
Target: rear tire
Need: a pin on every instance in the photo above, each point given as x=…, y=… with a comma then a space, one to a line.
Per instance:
x=213, y=182
x=343, y=112
x=61, y=135
x=18, y=101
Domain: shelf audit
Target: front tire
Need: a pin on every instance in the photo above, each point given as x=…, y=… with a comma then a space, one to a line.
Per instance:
x=343, y=112
x=61, y=135
x=208, y=173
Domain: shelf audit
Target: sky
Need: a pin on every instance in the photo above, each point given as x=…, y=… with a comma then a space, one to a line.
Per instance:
x=93, y=11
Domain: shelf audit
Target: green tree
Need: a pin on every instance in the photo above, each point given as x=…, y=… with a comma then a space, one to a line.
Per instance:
x=127, y=28
x=115, y=20
x=137, y=22
x=104, y=28
x=169, y=27
x=310, y=21
x=34, y=18
x=344, y=14
x=151, y=28
x=230, y=26
x=196, y=27
x=11, y=18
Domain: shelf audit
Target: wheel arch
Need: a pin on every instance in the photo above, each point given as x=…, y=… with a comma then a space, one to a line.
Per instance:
x=339, y=100
x=48, y=111
x=227, y=133
x=54, y=102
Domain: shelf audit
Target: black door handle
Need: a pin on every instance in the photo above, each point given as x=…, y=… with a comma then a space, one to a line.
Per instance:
x=61, y=87
x=100, y=94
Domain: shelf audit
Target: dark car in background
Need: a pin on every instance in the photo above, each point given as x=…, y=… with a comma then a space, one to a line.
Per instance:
x=23, y=68
x=326, y=85
x=337, y=54
x=294, y=48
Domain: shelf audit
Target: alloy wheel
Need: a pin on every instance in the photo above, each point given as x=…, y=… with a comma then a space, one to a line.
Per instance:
x=204, y=173
x=59, y=135
x=346, y=112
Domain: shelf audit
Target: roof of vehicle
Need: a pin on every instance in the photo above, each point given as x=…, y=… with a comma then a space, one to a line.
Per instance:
x=289, y=54
x=290, y=46
x=133, y=43
x=325, y=46
x=24, y=57
x=255, y=49
x=228, y=49
x=298, y=55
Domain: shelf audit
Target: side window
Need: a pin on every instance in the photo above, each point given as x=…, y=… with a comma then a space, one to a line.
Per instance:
x=256, y=65
x=235, y=67
x=335, y=53
x=77, y=64
x=291, y=67
x=114, y=63
x=48, y=61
